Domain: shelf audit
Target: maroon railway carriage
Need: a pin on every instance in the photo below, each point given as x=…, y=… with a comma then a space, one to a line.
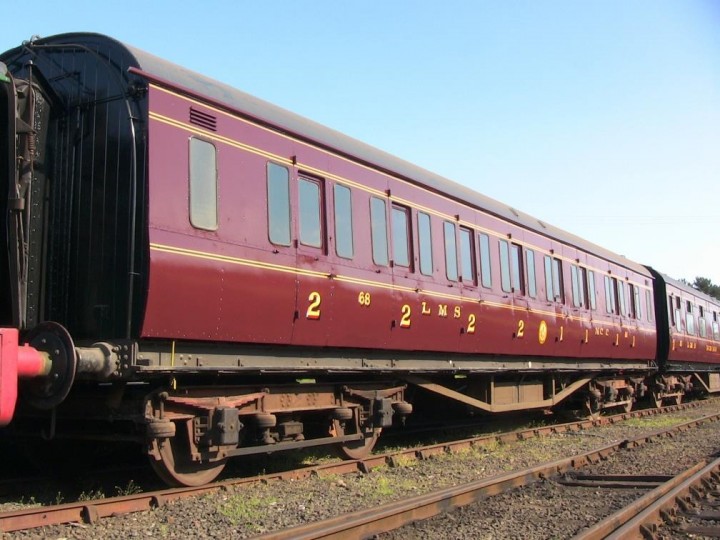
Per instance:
x=217, y=276
x=689, y=352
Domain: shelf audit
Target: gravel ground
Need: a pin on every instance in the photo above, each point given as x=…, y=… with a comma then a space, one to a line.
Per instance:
x=549, y=510
x=250, y=510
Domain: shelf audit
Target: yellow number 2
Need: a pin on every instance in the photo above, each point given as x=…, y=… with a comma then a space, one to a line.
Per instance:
x=313, y=310
x=471, y=324
x=405, y=320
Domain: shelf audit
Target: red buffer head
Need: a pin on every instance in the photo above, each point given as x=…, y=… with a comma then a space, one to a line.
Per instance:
x=16, y=362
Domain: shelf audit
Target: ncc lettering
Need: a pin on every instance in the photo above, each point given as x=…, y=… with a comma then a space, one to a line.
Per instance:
x=602, y=332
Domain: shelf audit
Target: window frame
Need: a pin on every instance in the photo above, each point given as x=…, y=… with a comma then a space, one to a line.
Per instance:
x=621, y=297
x=379, y=231
x=198, y=193
x=466, y=238
x=592, y=296
x=701, y=323
x=317, y=213
x=554, y=284
x=286, y=206
x=425, y=244
x=397, y=210
x=530, y=273
x=690, y=318
x=505, y=272
x=517, y=272
x=346, y=220
x=611, y=305
x=485, y=260
x=576, y=285
x=451, y=252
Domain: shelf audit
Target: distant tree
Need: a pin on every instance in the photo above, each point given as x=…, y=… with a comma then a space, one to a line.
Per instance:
x=707, y=286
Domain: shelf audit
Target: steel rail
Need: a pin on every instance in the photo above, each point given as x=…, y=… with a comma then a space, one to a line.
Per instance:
x=611, y=525
x=91, y=511
x=365, y=523
x=641, y=521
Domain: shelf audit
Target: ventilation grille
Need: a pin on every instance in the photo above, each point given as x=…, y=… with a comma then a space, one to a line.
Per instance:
x=202, y=119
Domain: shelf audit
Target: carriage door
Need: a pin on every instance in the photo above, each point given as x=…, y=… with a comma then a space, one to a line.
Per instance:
x=314, y=290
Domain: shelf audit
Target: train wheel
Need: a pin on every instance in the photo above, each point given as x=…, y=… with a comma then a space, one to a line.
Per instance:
x=175, y=467
x=359, y=449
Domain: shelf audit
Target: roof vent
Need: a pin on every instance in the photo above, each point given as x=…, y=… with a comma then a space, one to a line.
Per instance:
x=203, y=119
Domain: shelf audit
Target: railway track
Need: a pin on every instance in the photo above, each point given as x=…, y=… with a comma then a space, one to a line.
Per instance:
x=650, y=508
x=92, y=511
x=681, y=505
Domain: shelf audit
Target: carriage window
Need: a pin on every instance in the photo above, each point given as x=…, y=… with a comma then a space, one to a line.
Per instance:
x=621, y=297
x=400, y=235
x=553, y=279
x=574, y=285
x=425, y=244
x=610, y=295
x=530, y=263
x=343, y=221
x=591, y=289
x=716, y=331
x=309, y=203
x=636, y=309
x=505, y=266
x=278, y=186
x=678, y=313
x=485, y=268
x=203, y=185
x=558, y=288
x=378, y=225
x=649, y=305
x=451, y=268
x=467, y=256
x=632, y=301
x=671, y=311
x=689, y=319
x=516, y=268
x=702, y=325
x=548, y=279
x=577, y=286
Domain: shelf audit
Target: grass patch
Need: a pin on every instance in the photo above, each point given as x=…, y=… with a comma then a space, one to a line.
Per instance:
x=91, y=495
x=243, y=510
x=383, y=487
x=656, y=422
x=403, y=461
x=488, y=446
x=131, y=488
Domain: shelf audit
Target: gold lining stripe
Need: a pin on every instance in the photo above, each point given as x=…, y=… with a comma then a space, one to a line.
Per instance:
x=235, y=260
x=351, y=183
x=377, y=284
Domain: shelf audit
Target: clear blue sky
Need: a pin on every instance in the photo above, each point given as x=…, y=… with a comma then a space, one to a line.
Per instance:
x=600, y=117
